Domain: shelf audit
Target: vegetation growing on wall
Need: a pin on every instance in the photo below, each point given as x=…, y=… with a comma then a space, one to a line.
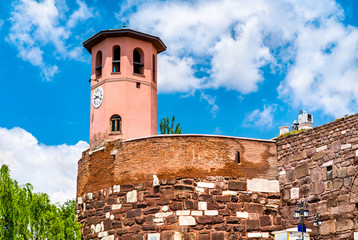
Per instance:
x=28, y=215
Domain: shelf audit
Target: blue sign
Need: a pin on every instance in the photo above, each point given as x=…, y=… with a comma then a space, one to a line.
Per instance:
x=299, y=228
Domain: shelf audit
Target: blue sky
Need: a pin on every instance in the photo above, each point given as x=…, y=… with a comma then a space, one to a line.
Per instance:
x=238, y=68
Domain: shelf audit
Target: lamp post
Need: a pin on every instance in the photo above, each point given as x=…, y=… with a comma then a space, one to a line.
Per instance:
x=301, y=212
x=317, y=222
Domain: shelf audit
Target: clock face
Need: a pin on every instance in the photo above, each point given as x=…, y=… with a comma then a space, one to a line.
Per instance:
x=97, y=97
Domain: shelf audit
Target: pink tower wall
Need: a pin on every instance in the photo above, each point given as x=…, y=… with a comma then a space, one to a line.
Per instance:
x=136, y=106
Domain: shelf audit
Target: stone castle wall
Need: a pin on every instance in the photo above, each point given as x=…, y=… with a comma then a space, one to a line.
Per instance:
x=172, y=156
x=320, y=165
x=215, y=208
x=179, y=187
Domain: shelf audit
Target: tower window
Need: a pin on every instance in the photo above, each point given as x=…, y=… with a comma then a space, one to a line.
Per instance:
x=116, y=60
x=154, y=69
x=99, y=64
x=116, y=122
x=138, y=63
x=138, y=84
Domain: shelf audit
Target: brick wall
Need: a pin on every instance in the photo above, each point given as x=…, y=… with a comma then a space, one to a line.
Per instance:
x=169, y=157
x=320, y=165
x=215, y=208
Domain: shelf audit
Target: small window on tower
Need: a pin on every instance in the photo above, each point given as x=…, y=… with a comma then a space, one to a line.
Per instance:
x=154, y=69
x=116, y=61
x=138, y=84
x=116, y=122
x=238, y=157
x=99, y=64
x=138, y=63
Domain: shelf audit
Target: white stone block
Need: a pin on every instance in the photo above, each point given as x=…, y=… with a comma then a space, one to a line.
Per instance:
x=211, y=212
x=282, y=172
x=116, y=188
x=198, y=189
x=132, y=196
x=327, y=164
x=114, y=152
x=205, y=185
x=155, y=181
x=229, y=192
x=177, y=236
x=158, y=220
x=98, y=228
x=196, y=213
x=182, y=212
x=103, y=234
x=295, y=193
x=186, y=221
x=108, y=215
x=90, y=195
x=153, y=236
x=357, y=153
x=165, y=208
x=102, y=226
x=111, y=217
x=343, y=132
x=93, y=228
x=345, y=146
x=163, y=214
x=355, y=235
x=242, y=214
x=84, y=206
x=254, y=235
x=79, y=200
x=110, y=237
x=202, y=206
x=265, y=235
x=263, y=185
x=116, y=206
x=321, y=148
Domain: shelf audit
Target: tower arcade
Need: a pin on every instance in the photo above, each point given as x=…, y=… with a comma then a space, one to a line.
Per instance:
x=123, y=84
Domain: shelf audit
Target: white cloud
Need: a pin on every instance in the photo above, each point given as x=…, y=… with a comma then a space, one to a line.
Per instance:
x=261, y=119
x=37, y=25
x=211, y=102
x=236, y=39
x=50, y=169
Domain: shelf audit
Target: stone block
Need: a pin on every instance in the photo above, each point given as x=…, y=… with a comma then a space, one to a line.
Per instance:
x=233, y=220
x=252, y=225
x=254, y=235
x=290, y=175
x=337, y=183
x=205, y=219
x=110, y=237
x=221, y=198
x=344, y=225
x=213, y=206
x=184, y=188
x=242, y=214
x=196, y=213
x=265, y=221
x=254, y=208
x=263, y=185
x=218, y=236
x=155, y=181
x=153, y=236
x=198, y=189
x=189, y=236
x=295, y=193
x=134, y=213
x=186, y=221
x=182, y=212
x=176, y=206
x=317, y=156
x=211, y=212
x=227, y=192
x=205, y=185
x=163, y=214
x=237, y=185
x=301, y=170
x=206, y=197
x=322, y=148
x=202, y=206
x=151, y=210
x=132, y=196
x=342, y=172
x=116, y=188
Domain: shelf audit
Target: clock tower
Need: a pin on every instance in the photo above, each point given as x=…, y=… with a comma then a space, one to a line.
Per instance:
x=123, y=84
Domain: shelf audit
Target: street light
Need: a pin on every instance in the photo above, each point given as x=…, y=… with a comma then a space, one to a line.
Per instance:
x=301, y=212
x=317, y=222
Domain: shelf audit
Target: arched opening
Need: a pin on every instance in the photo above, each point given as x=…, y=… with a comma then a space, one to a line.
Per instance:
x=116, y=59
x=99, y=64
x=116, y=123
x=154, y=69
x=138, y=61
